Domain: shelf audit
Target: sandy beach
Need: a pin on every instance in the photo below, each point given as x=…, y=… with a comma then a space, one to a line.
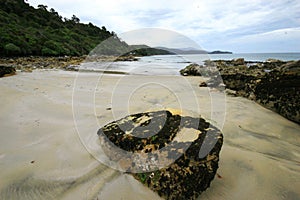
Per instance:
x=49, y=148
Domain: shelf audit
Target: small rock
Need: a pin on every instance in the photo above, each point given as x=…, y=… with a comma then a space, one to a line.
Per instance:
x=203, y=84
x=72, y=68
x=230, y=92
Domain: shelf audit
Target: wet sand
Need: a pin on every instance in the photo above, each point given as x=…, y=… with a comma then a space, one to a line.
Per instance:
x=49, y=149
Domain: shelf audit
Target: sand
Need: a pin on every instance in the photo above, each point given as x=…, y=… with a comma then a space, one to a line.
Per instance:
x=49, y=147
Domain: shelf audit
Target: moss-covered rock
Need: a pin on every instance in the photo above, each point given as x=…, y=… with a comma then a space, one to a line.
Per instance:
x=162, y=151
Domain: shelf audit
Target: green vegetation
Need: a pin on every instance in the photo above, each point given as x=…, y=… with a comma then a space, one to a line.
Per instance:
x=28, y=31
x=143, y=177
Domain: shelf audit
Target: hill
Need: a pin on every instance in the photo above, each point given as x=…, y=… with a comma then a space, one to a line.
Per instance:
x=29, y=31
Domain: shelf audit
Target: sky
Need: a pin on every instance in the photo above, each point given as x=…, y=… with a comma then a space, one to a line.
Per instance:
x=240, y=26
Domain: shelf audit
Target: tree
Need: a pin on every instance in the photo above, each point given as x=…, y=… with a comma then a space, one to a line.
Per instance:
x=12, y=49
x=75, y=19
x=42, y=7
x=25, y=30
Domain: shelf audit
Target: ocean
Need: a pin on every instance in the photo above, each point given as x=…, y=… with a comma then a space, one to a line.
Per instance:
x=171, y=64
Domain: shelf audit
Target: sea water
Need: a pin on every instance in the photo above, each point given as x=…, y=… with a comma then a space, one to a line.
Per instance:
x=171, y=64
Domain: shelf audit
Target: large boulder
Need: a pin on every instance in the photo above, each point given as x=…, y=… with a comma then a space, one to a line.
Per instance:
x=192, y=70
x=162, y=151
x=238, y=61
x=195, y=69
x=7, y=71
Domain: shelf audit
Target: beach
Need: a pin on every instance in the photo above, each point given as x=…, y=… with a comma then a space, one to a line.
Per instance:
x=49, y=149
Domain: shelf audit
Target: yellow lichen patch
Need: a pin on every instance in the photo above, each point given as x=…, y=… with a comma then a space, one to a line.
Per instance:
x=143, y=119
x=175, y=111
x=187, y=135
x=149, y=148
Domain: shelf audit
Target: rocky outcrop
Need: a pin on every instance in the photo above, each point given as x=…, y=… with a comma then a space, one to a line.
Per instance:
x=7, y=71
x=126, y=58
x=279, y=90
x=162, y=150
x=69, y=63
x=274, y=84
x=28, y=64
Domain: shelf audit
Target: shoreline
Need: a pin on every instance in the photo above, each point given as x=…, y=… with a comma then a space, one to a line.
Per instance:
x=71, y=63
x=232, y=72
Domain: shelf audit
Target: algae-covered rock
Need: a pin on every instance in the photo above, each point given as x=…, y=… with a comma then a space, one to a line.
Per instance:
x=275, y=84
x=175, y=156
x=7, y=71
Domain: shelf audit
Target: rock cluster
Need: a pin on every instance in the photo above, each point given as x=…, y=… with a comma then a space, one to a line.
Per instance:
x=69, y=63
x=274, y=84
x=7, y=71
x=28, y=64
x=163, y=151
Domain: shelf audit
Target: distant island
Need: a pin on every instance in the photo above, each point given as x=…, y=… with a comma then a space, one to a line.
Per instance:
x=220, y=52
x=192, y=51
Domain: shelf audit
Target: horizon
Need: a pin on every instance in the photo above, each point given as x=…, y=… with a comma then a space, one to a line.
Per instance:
x=211, y=50
x=251, y=26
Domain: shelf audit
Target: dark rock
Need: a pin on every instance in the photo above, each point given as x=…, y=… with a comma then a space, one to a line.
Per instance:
x=203, y=84
x=168, y=159
x=73, y=68
x=7, y=71
x=280, y=91
x=274, y=84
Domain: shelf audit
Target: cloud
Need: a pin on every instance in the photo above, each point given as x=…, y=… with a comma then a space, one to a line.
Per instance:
x=281, y=40
x=156, y=37
x=211, y=23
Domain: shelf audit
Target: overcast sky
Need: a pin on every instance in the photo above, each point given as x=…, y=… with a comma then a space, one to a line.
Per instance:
x=240, y=26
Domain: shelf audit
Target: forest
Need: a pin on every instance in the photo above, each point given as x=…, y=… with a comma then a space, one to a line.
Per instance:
x=41, y=31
